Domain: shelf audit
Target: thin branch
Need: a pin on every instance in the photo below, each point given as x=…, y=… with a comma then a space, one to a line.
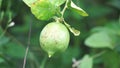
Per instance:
x=28, y=45
x=99, y=54
x=65, y=7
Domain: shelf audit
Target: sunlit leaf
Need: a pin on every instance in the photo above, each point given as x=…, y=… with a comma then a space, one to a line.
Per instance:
x=57, y=2
x=77, y=9
x=44, y=10
x=29, y=2
x=86, y=62
x=99, y=40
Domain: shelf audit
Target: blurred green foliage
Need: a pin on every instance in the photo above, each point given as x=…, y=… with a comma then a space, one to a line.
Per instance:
x=100, y=28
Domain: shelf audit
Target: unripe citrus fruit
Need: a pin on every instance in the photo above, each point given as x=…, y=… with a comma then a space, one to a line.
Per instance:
x=54, y=38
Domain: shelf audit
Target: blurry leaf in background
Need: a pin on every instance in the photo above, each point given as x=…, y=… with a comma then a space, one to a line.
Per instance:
x=69, y=54
x=16, y=50
x=98, y=11
x=0, y=3
x=4, y=40
x=115, y=3
x=77, y=9
x=111, y=28
x=86, y=62
x=99, y=40
x=111, y=59
x=1, y=31
x=115, y=27
x=1, y=60
x=1, y=16
x=117, y=48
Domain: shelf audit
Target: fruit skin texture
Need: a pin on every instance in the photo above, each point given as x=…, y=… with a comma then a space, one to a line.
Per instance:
x=54, y=38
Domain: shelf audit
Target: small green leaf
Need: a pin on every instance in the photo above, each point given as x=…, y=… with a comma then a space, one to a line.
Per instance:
x=86, y=62
x=44, y=10
x=99, y=40
x=29, y=2
x=57, y=2
x=77, y=9
x=73, y=30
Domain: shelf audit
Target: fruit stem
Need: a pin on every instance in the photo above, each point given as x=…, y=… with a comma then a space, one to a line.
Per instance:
x=57, y=19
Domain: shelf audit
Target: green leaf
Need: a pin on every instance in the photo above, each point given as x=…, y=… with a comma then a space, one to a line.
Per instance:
x=1, y=30
x=3, y=40
x=114, y=27
x=44, y=10
x=1, y=60
x=99, y=40
x=69, y=54
x=73, y=30
x=103, y=10
x=29, y=2
x=77, y=9
x=111, y=59
x=115, y=3
x=86, y=62
x=16, y=50
x=111, y=28
x=57, y=2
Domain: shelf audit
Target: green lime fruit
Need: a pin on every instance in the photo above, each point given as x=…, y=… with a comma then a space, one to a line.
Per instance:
x=54, y=38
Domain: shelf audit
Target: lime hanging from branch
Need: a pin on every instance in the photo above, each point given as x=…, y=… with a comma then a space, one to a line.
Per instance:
x=54, y=38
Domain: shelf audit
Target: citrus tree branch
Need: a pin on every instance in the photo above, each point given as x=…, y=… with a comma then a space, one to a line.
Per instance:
x=28, y=45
